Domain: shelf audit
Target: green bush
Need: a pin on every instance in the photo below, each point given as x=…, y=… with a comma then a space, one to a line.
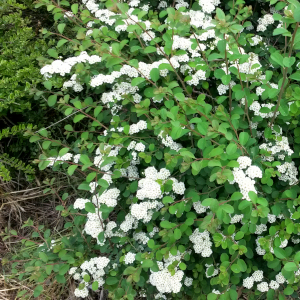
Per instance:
x=19, y=49
x=185, y=142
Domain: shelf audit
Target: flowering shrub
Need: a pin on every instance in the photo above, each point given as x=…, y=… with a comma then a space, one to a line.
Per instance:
x=186, y=145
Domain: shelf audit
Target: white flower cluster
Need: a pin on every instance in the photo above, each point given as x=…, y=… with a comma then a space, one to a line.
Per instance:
x=150, y=189
x=99, y=158
x=60, y=159
x=257, y=276
x=201, y=242
x=72, y=83
x=118, y=92
x=264, y=22
x=256, y=107
x=251, y=66
x=222, y=88
x=208, y=6
x=140, y=147
x=199, y=208
x=263, y=287
x=129, y=258
x=199, y=75
x=109, y=197
x=255, y=40
x=168, y=141
x=93, y=226
x=236, y=218
x=245, y=178
x=261, y=251
x=281, y=145
x=139, y=126
x=141, y=237
x=80, y=203
x=129, y=223
x=144, y=211
x=64, y=67
x=95, y=268
x=163, y=280
x=188, y=281
x=76, y=158
x=288, y=172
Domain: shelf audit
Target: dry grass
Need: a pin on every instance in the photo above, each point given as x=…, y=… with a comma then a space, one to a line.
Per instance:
x=18, y=203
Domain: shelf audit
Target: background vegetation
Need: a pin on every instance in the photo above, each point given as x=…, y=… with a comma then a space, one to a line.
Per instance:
x=197, y=128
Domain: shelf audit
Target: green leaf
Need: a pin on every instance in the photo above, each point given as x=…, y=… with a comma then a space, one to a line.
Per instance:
x=61, y=42
x=233, y=294
x=74, y=8
x=84, y=159
x=296, y=14
x=78, y=118
x=289, y=61
x=63, y=151
x=277, y=57
x=64, y=269
x=97, y=110
x=279, y=252
x=221, y=47
x=48, y=85
x=52, y=52
x=166, y=224
x=231, y=149
x=136, y=81
x=216, y=152
x=297, y=256
x=227, y=208
x=111, y=280
x=226, y=79
x=220, y=14
x=177, y=234
x=219, y=73
x=49, y=269
x=71, y=169
x=236, y=196
x=95, y=286
x=34, y=138
x=150, y=49
x=129, y=270
x=244, y=137
x=91, y=176
x=103, y=183
x=167, y=199
x=288, y=291
x=282, y=31
x=52, y=100
x=60, y=278
x=290, y=266
x=90, y=207
x=182, y=266
x=148, y=263
x=295, y=76
x=235, y=268
x=86, y=277
x=115, y=48
x=61, y=27
x=154, y=74
x=151, y=244
x=43, y=256
x=239, y=235
x=38, y=290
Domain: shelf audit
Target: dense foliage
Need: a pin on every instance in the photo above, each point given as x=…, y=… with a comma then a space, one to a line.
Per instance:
x=185, y=142
x=20, y=47
x=19, y=50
